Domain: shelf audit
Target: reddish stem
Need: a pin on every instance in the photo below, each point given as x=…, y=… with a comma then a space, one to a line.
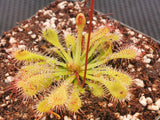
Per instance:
x=77, y=76
x=89, y=34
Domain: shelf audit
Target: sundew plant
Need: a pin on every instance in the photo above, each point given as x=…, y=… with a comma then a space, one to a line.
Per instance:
x=70, y=73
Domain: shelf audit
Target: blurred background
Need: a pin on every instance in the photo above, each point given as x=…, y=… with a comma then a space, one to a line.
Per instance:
x=142, y=15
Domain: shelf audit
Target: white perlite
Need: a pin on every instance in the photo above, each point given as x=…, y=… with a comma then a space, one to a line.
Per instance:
x=143, y=100
x=103, y=21
x=139, y=82
x=73, y=20
x=12, y=40
x=22, y=47
x=44, y=118
x=153, y=107
x=134, y=39
x=140, y=35
x=130, y=117
x=146, y=59
x=131, y=32
x=110, y=104
x=149, y=55
x=1, y=118
x=8, y=79
x=33, y=36
x=3, y=42
x=154, y=87
x=62, y=5
x=30, y=32
x=149, y=100
x=158, y=103
x=130, y=66
x=48, y=12
x=67, y=118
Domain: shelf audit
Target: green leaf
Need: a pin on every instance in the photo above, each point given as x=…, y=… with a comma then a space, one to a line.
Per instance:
x=51, y=36
x=112, y=74
x=28, y=56
x=97, y=35
x=96, y=89
x=116, y=89
x=57, y=97
x=127, y=53
x=70, y=42
x=34, y=84
x=74, y=103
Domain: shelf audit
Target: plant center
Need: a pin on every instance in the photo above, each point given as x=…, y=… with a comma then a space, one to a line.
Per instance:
x=73, y=67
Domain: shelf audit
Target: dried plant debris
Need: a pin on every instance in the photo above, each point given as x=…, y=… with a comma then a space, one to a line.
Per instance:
x=142, y=103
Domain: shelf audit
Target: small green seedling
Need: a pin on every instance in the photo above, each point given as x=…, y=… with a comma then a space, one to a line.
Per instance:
x=69, y=69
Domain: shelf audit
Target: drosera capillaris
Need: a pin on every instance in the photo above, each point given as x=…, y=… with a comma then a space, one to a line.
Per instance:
x=70, y=68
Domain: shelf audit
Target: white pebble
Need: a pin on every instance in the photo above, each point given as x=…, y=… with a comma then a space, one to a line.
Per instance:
x=73, y=20
x=140, y=35
x=61, y=14
x=77, y=7
x=97, y=118
x=110, y=104
x=146, y=60
x=12, y=40
x=67, y=118
x=1, y=118
x=149, y=100
x=3, y=105
x=74, y=116
x=70, y=4
x=8, y=79
x=149, y=55
x=142, y=100
x=21, y=47
x=30, y=32
x=7, y=97
x=132, y=33
x=6, y=75
x=154, y=87
x=94, y=18
x=103, y=21
x=13, y=33
x=132, y=70
x=25, y=26
x=36, y=48
x=33, y=36
x=3, y=42
x=129, y=117
x=93, y=22
x=139, y=82
x=139, y=69
x=62, y=5
x=148, y=66
x=149, y=89
x=153, y=107
x=71, y=10
x=20, y=29
x=44, y=118
x=53, y=19
x=158, y=103
x=47, y=12
x=134, y=39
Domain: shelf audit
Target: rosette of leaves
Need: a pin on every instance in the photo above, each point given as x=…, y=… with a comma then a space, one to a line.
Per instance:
x=68, y=69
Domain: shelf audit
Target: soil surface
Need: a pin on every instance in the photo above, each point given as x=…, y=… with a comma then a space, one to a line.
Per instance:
x=143, y=101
